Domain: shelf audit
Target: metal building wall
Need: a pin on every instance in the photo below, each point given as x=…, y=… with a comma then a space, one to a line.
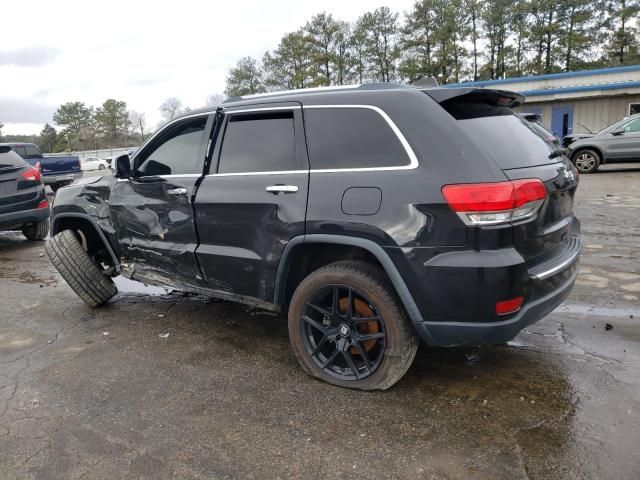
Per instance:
x=595, y=113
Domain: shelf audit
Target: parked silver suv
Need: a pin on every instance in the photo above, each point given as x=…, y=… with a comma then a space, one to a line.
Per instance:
x=619, y=142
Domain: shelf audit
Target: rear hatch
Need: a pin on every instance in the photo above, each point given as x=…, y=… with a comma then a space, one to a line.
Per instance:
x=522, y=153
x=16, y=193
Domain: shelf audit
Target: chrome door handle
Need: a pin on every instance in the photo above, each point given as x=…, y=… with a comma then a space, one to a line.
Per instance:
x=177, y=191
x=277, y=189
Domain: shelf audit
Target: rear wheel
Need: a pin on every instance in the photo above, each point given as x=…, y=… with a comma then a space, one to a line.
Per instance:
x=36, y=231
x=347, y=328
x=101, y=167
x=586, y=161
x=79, y=270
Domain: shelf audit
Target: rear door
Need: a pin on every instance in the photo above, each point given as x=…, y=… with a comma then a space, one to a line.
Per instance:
x=153, y=211
x=254, y=200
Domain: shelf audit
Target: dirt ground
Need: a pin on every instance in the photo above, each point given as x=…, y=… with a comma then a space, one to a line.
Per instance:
x=172, y=386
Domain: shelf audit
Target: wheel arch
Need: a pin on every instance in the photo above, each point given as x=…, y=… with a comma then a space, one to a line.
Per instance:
x=376, y=251
x=75, y=219
x=598, y=150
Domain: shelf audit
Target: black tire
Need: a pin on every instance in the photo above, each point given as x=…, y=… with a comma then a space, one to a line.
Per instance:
x=36, y=231
x=55, y=187
x=100, y=167
x=586, y=160
x=79, y=270
x=401, y=341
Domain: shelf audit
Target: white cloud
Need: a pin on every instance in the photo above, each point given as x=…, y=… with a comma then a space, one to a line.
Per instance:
x=139, y=51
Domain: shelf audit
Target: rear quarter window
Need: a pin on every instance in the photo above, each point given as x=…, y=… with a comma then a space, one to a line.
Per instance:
x=357, y=137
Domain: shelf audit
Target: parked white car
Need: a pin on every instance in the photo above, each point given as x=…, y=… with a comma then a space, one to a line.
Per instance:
x=94, y=163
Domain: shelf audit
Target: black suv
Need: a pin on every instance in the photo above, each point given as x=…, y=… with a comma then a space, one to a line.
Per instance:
x=23, y=202
x=372, y=215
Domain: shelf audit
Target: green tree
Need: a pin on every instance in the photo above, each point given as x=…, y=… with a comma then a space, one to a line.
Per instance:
x=418, y=42
x=575, y=32
x=76, y=118
x=48, y=137
x=545, y=34
x=495, y=18
x=623, y=46
x=289, y=66
x=113, y=122
x=381, y=32
x=323, y=35
x=245, y=78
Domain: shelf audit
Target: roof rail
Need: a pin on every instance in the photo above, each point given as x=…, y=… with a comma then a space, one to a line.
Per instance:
x=363, y=86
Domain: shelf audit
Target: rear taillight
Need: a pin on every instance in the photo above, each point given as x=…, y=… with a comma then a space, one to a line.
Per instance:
x=43, y=204
x=512, y=305
x=495, y=203
x=32, y=175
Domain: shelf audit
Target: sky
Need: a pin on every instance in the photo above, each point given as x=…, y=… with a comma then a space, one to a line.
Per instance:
x=142, y=52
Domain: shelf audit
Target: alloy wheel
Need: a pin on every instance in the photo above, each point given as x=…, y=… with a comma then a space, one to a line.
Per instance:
x=585, y=162
x=343, y=332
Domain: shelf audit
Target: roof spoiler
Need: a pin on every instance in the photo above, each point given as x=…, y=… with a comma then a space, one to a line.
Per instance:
x=500, y=98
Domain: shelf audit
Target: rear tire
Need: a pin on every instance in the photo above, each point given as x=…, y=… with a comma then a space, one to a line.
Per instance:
x=586, y=161
x=78, y=269
x=378, y=365
x=36, y=231
x=101, y=167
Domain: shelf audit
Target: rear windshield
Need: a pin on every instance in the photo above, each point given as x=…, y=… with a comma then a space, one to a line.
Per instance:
x=507, y=138
x=27, y=151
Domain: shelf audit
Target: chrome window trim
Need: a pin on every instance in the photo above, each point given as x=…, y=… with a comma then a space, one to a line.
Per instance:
x=260, y=109
x=413, y=159
x=240, y=174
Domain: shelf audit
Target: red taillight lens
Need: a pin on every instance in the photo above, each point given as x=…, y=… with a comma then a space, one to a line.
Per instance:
x=43, y=204
x=493, y=203
x=32, y=175
x=509, y=306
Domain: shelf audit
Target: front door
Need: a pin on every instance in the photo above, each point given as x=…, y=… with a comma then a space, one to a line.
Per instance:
x=153, y=212
x=255, y=199
x=625, y=144
x=562, y=120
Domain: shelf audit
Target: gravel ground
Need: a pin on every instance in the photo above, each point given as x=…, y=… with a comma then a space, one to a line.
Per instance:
x=172, y=386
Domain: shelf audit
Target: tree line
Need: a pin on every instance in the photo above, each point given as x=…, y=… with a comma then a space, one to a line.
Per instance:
x=84, y=127
x=450, y=40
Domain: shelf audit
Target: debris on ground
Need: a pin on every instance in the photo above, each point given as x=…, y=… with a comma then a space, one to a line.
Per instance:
x=608, y=326
x=163, y=335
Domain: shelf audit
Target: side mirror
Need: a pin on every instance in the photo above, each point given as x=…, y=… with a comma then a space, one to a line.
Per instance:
x=123, y=166
x=617, y=131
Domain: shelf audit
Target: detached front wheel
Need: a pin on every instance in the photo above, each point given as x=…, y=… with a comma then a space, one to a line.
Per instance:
x=79, y=270
x=347, y=328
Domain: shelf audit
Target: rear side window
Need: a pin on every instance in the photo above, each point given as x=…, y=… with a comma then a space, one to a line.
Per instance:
x=351, y=138
x=263, y=142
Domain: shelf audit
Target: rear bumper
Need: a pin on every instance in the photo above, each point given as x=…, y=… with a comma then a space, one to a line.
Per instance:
x=17, y=219
x=61, y=178
x=447, y=334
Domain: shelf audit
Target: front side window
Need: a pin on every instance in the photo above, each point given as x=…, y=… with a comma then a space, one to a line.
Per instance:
x=177, y=152
x=358, y=137
x=633, y=126
x=259, y=142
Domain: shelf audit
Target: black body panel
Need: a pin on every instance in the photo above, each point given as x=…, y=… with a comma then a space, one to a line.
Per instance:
x=231, y=232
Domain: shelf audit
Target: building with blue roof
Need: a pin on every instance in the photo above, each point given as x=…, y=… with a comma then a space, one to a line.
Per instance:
x=576, y=102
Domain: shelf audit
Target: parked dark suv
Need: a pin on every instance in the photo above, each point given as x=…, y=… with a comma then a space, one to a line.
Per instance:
x=372, y=215
x=23, y=202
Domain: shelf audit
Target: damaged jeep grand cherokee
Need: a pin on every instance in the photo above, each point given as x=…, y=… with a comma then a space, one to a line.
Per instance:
x=372, y=216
